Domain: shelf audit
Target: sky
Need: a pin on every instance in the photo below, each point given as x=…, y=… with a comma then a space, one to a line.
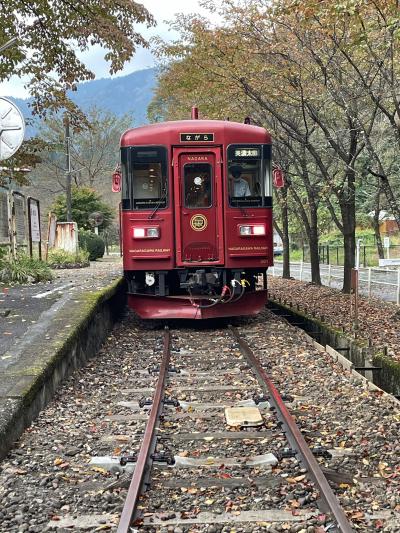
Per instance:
x=162, y=10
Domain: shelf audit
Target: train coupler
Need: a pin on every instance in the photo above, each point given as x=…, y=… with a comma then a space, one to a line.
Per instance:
x=163, y=457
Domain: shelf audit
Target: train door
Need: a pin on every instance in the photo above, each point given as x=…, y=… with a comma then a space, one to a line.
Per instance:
x=198, y=206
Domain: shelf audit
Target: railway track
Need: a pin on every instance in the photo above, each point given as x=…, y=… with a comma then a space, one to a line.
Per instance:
x=260, y=419
x=204, y=470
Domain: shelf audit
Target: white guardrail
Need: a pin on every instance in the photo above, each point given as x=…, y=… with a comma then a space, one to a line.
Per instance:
x=382, y=283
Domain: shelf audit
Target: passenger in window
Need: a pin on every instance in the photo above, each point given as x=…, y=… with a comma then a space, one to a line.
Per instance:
x=239, y=186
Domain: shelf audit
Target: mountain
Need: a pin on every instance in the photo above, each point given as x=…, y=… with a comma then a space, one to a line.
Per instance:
x=125, y=94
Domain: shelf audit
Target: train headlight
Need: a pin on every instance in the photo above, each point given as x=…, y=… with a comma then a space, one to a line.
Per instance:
x=138, y=233
x=245, y=230
x=256, y=229
x=152, y=233
x=259, y=230
x=146, y=233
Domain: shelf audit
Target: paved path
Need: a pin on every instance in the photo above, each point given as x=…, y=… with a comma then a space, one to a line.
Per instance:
x=29, y=308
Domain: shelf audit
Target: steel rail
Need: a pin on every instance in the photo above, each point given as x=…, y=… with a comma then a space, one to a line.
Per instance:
x=296, y=439
x=142, y=462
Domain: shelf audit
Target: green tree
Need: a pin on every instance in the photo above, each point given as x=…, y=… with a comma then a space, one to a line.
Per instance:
x=85, y=201
x=50, y=36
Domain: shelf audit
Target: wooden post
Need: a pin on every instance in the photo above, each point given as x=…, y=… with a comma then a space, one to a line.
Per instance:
x=369, y=282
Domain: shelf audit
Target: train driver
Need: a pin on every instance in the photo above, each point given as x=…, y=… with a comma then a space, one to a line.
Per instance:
x=238, y=185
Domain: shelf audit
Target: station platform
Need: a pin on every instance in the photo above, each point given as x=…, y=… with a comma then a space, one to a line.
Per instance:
x=48, y=329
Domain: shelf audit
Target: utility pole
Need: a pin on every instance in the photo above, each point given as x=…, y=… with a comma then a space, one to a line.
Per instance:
x=68, y=169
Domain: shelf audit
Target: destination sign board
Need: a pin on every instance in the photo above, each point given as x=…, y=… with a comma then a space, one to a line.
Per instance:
x=197, y=137
x=247, y=152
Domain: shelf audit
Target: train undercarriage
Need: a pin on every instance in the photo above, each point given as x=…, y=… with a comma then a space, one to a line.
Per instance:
x=196, y=293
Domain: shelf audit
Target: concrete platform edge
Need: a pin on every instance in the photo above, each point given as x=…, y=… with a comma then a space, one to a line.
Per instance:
x=76, y=334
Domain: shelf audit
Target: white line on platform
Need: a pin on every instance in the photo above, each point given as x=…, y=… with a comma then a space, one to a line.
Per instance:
x=57, y=289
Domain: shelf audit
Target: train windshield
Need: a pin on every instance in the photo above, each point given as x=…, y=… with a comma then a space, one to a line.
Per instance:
x=249, y=175
x=144, y=178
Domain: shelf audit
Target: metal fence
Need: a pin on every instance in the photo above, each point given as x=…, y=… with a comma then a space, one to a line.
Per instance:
x=381, y=283
x=334, y=255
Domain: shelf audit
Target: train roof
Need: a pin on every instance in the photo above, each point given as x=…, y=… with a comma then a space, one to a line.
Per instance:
x=225, y=132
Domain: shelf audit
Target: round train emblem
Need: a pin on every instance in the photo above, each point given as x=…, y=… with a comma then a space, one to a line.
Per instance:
x=198, y=222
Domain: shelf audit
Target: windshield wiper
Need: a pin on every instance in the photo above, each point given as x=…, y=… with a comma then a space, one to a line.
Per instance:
x=157, y=207
x=242, y=209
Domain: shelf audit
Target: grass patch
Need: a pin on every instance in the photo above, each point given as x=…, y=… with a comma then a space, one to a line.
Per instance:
x=63, y=259
x=24, y=269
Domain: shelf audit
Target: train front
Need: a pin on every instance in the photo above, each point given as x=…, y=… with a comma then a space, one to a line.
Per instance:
x=196, y=218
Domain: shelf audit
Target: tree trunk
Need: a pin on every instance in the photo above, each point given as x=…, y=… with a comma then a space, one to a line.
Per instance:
x=314, y=241
x=285, y=236
x=347, y=207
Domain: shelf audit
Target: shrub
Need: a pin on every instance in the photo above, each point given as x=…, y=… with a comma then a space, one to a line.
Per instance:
x=24, y=269
x=93, y=243
x=62, y=259
x=84, y=202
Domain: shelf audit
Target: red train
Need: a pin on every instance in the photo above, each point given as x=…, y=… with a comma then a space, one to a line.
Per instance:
x=196, y=218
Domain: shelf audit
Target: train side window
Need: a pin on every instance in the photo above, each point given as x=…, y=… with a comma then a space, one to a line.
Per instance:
x=197, y=178
x=148, y=177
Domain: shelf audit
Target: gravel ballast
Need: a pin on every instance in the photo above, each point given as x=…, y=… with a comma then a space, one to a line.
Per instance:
x=378, y=321
x=48, y=483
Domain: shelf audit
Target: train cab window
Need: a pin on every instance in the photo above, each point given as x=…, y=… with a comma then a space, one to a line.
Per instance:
x=249, y=175
x=197, y=181
x=145, y=181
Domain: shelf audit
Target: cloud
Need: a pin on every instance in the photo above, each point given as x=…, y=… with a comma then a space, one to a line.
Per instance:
x=94, y=57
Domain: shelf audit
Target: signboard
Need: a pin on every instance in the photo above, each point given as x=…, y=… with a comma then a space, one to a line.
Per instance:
x=197, y=137
x=34, y=220
x=247, y=152
x=4, y=218
x=19, y=214
x=389, y=262
x=386, y=242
